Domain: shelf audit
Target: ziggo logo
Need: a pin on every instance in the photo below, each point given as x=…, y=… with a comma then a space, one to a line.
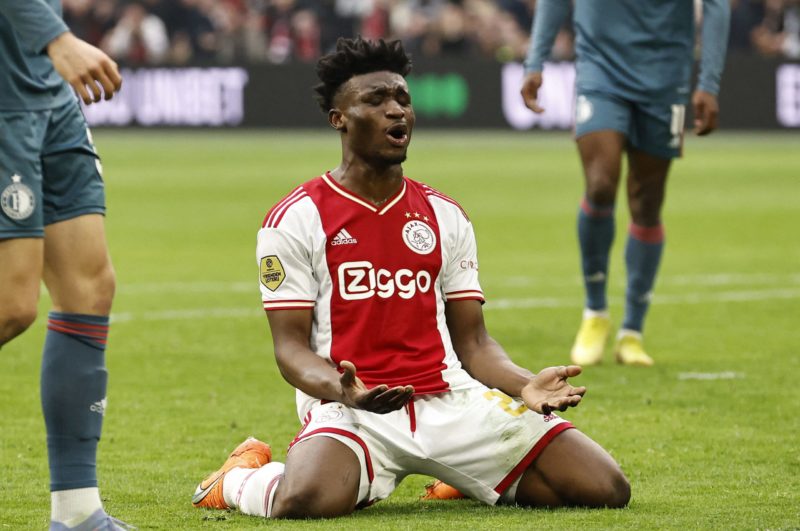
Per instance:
x=360, y=280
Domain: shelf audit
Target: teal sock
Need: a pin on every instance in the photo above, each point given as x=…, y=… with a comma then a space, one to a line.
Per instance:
x=595, y=236
x=73, y=393
x=642, y=257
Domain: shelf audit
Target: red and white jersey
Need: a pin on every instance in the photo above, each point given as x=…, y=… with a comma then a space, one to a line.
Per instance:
x=376, y=278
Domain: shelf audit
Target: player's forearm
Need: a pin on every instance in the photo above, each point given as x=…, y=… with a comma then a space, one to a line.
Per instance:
x=308, y=372
x=34, y=21
x=488, y=363
x=716, y=24
x=548, y=18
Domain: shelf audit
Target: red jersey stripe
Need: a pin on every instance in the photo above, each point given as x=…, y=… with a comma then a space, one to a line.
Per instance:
x=343, y=433
x=280, y=204
x=533, y=454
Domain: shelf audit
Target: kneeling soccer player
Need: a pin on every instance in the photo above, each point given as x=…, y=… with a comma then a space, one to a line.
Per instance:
x=366, y=270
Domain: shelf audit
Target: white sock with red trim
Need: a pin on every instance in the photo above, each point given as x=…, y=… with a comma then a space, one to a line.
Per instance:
x=251, y=490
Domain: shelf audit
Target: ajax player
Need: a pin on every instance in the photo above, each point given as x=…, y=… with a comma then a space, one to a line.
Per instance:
x=370, y=283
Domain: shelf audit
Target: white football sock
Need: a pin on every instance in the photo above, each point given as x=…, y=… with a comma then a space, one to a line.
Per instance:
x=247, y=488
x=73, y=506
x=588, y=313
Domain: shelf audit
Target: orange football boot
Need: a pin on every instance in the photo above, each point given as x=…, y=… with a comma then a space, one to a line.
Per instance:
x=252, y=453
x=439, y=490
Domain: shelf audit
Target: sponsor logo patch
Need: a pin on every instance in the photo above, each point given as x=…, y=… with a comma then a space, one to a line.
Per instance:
x=419, y=237
x=17, y=200
x=272, y=273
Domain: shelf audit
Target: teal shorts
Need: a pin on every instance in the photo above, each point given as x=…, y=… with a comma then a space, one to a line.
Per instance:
x=655, y=128
x=49, y=170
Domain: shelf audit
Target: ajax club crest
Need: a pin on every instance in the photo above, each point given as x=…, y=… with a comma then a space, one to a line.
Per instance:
x=17, y=200
x=272, y=273
x=419, y=237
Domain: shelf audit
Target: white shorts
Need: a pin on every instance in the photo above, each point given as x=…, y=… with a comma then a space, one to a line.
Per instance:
x=478, y=440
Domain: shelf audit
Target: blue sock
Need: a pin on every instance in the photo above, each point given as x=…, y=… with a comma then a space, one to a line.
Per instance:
x=642, y=256
x=73, y=391
x=595, y=236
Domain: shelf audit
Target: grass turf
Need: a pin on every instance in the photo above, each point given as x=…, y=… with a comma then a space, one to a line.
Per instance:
x=708, y=437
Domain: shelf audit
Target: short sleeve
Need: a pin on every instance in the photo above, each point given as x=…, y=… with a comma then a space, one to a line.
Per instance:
x=460, y=268
x=285, y=271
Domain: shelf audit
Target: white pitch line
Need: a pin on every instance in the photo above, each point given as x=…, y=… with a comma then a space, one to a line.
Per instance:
x=499, y=304
x=718, y=279
x=725, y=375
x=689, y=298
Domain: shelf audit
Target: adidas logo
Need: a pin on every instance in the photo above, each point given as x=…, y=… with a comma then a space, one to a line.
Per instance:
x=99, y=407
x=596, y=277
x=343, y=238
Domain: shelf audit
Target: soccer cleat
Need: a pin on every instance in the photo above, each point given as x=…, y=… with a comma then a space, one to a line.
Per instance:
x=591, y=340
x=252, y=453
x=98, y=521
x=629, y=350
x=439, y=490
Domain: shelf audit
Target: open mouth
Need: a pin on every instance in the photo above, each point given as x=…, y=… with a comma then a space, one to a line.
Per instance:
x=398, y=134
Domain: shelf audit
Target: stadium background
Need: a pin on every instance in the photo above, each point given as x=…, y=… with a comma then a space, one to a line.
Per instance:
x=708, y=436
x=249, y=62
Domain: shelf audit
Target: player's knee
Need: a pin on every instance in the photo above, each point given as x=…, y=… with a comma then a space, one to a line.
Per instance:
x=105, y=284
x=610, y=490
x=601, y=191
x=15, y=319
x=311, y=502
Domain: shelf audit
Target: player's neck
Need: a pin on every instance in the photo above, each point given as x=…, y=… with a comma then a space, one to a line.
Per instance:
x=374, y=184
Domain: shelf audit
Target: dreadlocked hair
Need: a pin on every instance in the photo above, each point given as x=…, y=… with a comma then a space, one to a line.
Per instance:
x=354, y=57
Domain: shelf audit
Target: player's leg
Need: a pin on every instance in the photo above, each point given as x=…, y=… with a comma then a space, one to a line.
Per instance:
x=600, y=125
x=655, y=141
x=21, y=219
x=80, y=279
x=322, y=480
x=647, y=180
x=573, y=470
x=20, y=275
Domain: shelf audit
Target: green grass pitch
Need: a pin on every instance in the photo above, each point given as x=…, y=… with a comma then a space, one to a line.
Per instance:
x=709, y=437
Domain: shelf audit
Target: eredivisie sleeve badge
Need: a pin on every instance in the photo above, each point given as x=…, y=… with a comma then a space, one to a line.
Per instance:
x=272, y=273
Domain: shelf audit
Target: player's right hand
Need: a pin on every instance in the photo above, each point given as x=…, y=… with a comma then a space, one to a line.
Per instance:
x=83, y=66
x=380, y=399
x=530, y=91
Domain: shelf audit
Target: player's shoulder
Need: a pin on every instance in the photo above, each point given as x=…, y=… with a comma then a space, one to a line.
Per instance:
x=437, y=197
x=291, y=205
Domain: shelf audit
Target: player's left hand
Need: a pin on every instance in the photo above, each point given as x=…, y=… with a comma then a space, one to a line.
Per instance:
x=706, y=112
x=87, y=69
x=549, y=390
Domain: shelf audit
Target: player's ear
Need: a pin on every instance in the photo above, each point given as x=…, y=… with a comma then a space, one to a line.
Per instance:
x=337, y=120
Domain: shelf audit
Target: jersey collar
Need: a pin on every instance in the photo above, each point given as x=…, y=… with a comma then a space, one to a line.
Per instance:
x=341, y=190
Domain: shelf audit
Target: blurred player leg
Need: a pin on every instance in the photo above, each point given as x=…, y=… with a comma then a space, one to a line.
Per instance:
x=20, y=275
x=573, y=470
x=80, y=280
x=601, y=155
x=646, y=189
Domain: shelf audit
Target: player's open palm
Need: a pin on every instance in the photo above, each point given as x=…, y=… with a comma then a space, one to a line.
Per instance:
x=549, y=390
x=379, y=399
x=87, y=69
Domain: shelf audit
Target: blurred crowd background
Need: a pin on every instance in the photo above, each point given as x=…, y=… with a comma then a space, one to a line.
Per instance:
x=178, y=32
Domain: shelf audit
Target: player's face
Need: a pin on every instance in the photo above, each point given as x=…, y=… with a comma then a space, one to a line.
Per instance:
x=377, y=116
